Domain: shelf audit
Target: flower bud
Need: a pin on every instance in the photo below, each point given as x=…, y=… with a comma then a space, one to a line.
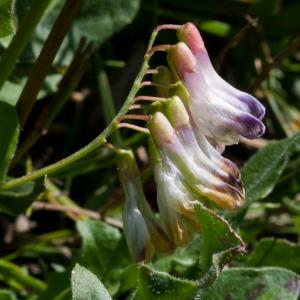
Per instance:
x=162, y=130
x=176, y=113
x=164, y=78
x=136, y=233
x=141, y=229
x=181, y=60
x=178, y=89
x=189, y=34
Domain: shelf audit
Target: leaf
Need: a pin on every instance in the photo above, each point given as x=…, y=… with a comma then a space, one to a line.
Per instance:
x=218, y=236
x=215, y=27
x=11, y=91
x=7, y=295
x=183, y=261
x=6, y=17
x=253, y=284
x=97, y=21
x=18, y=199
x=57, y=285
x=277, y=253
x=102, y=245
x=262, y=171
x=8, y=136
x=154, y=285
x=86, y=285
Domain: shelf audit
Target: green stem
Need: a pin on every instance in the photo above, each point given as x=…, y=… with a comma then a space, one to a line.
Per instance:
x=12, y=271
x=104, y=91
x=22, y=38
x=98, y=141
x=66, y=86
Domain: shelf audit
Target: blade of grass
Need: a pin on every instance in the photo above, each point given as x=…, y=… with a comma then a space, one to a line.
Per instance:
x=12, y=271
x=70, y=80
x=46, y=57
x=22, y=38
x=104, y=91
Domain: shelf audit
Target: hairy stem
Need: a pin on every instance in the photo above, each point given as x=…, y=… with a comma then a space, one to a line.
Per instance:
x=70, y=80
x=98, y=141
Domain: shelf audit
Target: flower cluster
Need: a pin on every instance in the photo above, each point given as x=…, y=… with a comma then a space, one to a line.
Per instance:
x=200, y=115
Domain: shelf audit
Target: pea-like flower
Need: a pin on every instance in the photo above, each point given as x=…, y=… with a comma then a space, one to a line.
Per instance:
x=219, y=110
x=175, y=202
x=199, y=166
x=142, y=231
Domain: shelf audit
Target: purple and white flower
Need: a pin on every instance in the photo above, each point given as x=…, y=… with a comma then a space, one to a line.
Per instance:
x=197, y=166
x=219, y=110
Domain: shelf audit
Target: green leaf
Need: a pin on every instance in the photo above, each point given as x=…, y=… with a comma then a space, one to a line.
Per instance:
x=86, y=285
x=254, y=284
x=18, y=199
x=64, y=295
x=57, y=285
x=7, y=295
x=262, y=171
x=154, y=285
x=277, y=253
x=218, y=236
x=11, y=91
x=6, y=17
x=101, y=249
x=8, y=136
x=183, y=261
x=215, y=27
x=97, y=21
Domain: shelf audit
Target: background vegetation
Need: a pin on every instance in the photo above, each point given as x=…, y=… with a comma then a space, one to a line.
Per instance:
x=66, y=67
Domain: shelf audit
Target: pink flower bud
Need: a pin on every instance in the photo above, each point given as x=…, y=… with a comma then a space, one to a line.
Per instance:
x=190, y=35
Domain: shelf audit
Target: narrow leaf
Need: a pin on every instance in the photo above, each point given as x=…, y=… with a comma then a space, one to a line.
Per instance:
x=8, y=136
x=6, y=17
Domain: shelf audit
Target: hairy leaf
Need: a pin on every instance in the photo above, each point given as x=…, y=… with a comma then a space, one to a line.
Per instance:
x=86, y=285
x=253, y=284
x=277, y=253
x=218, y=236
x=154, y=285
x=262, y=171
x=104, y=251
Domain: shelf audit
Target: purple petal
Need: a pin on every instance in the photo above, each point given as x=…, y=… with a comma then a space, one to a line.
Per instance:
x=255, y=107
x=248, y=126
